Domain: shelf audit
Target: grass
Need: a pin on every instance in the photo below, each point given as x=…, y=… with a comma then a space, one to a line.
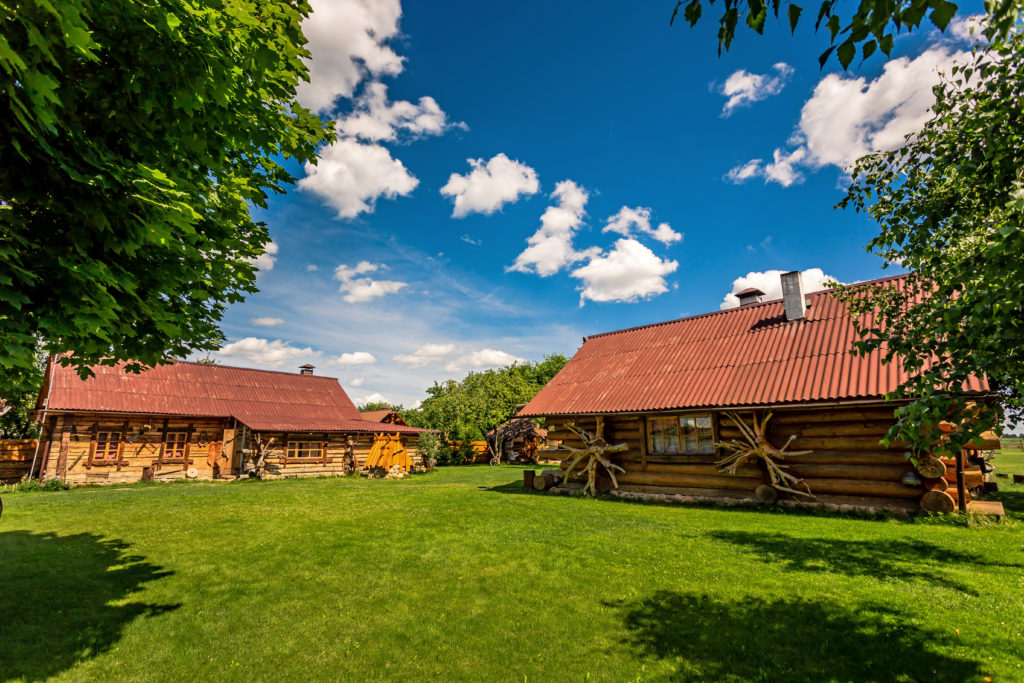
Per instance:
x=1010, y=458
x=460, y=575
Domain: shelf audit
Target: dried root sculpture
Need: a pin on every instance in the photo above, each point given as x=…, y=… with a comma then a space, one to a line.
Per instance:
x=756, y=447
x=594, y=455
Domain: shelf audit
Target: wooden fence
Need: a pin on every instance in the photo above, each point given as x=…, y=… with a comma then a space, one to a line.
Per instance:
x=16, y=458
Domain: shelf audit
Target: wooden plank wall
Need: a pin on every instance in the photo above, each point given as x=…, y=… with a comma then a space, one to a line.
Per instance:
x=337, y=446
x=848, y=465
x=16, y=458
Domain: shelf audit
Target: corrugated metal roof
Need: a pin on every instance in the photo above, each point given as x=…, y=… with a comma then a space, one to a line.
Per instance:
x=262, y=399
x=375, y=415
x=747, y=356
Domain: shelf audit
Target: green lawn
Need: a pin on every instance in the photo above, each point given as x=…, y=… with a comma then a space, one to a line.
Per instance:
x=1010, y=458
x=458, y=574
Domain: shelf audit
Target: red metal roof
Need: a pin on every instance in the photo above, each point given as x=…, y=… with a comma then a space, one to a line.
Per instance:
x=261, y=399
x=746, y=356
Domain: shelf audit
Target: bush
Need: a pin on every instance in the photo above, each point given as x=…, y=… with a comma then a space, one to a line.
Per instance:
x=26, y=485
x=430, y=447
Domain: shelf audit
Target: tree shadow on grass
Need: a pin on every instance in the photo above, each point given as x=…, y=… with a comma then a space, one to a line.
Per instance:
x=905, y=560
x=1013, y=502
x=785, y=640
x=66, y=599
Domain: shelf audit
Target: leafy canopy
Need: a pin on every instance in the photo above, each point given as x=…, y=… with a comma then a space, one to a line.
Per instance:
x=468, y=409
x=871, y=26
x=950, y=205
x=135, y=138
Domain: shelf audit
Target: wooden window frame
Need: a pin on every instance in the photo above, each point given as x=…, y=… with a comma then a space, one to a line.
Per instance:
x=679, y=453
x=162, y=459
x=291, y=446
x=186, y=444
x=109, y=460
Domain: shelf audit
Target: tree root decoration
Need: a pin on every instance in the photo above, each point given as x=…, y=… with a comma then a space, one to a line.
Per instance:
x=757, y=448
x=593, y=455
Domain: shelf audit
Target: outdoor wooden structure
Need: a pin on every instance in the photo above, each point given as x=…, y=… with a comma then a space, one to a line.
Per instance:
x=761, y=403
x=192, y=420
x=390, y=417
x=16, y=458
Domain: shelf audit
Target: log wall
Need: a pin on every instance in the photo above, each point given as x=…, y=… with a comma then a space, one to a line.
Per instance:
x=847, y=465
x=215, y=449
x=15, y=459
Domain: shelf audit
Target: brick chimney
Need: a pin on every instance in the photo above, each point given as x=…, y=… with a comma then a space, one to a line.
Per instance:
x=793, y=295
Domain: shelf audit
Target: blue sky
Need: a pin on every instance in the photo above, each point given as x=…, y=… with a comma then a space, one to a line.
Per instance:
x=589, y=126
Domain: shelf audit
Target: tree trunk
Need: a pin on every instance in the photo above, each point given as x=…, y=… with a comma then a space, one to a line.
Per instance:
x=528, y=477
x=961, y=488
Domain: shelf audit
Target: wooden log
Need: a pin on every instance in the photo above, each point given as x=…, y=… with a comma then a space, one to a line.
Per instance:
x=554, y=476
x=706, y=469
x=766, y=494
x=939, y=484
x=853, y=443
x=972, y=478
x=689, y=491
x=938, y=502
x=867, y=502
x=689, y=480
x=528, y=477
x=541, y=483
x=875, y=429
x=848, y=457
x=866, y=414
x=665, y=458
x=988, y=441
x=860, y=487
x=856, y=471
x=931, y=467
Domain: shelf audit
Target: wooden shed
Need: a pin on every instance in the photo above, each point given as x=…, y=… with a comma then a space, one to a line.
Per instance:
x=385, y=416
x=203, y=421
x=683, y=396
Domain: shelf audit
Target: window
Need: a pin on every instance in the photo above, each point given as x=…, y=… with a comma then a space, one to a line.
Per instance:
x=697, y=436
x=689, y=435
x=175, y=444
x=664, y=435
x=305, y=449
x=106, y=445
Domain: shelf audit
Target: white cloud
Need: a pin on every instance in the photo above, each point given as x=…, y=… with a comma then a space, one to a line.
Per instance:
x=483, y=359
x=264, y=352
x=626, y=219
x=362, y=289
x=769, y=282
x=968, y=28
x=347, y=41
x=629, y=272
x=312, y=267
x=370, y=398
x=428, y=354
x=846, y=118
x=550, y=248
x=469, y=240
x=374, y=118
x=743, y=88
x=490, y=185
x=267, y=322
x=353, y=359
x=267, y=259
x=351, y=176
x=357, y=382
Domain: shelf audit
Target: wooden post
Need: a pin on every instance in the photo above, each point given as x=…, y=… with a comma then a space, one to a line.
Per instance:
x=961, y=489
x=62, y=457
x=643, y=443
x=163, y=446
x=528, y=477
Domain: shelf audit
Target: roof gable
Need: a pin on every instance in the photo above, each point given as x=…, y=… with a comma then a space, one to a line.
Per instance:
x=746, y=356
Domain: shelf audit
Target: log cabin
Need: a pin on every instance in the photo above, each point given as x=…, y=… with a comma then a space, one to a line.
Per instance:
x=202, y=421
x=683, y=398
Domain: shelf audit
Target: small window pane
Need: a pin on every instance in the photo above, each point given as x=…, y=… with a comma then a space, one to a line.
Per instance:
x=704, y=424
x=689, y=425
x=690, y=444
x=706, y=446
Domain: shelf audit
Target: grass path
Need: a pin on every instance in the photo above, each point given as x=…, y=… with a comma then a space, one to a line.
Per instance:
x=459, y=575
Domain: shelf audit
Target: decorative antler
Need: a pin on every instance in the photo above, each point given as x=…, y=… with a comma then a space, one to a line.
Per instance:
x=594, y=454
x=757, y=447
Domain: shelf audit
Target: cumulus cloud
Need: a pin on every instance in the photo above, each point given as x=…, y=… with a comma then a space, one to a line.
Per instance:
x=550, y=248
x=483, y=359
x=629, y=272
x=968, y=28
x=490, y=185
x=264, y=352
x=627, y=219
x=744, y=88
x=846, y=117
x=370, y=398
x=267, y=259
x=375, y=118
x=428, y=354
x=769, y=282
x=267, y=322
x=347, y=42
x=357, y=382
x=361, y=289
x=312, y=267
x=351, y=176
x=353, y=359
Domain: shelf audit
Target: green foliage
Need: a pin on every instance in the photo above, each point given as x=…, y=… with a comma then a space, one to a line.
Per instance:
x=429, y=446
x=381, y=405
x=19, y=389
x=950, y=204
x=135, y=137
x=872, y=25
x=468, y=409
x=27, y=485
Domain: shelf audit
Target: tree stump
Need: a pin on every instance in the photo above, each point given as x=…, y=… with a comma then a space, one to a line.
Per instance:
x=938, y=502
x=603, y=483
x=931, y=468
x=528, y=477
x=766, y=495
x=541, y=483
